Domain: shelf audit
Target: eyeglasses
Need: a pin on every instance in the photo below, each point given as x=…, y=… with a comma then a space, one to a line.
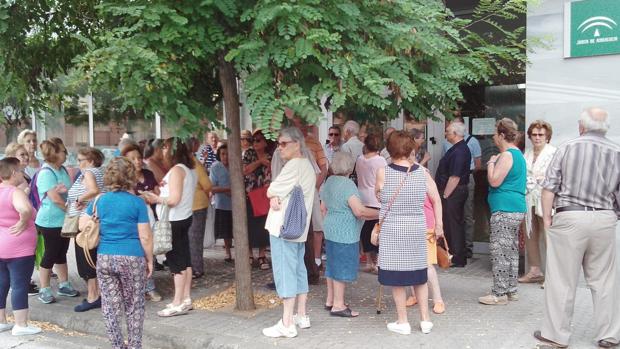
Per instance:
x=283, y=144
x=334, y=134
x=538, y=135
x=246, y=139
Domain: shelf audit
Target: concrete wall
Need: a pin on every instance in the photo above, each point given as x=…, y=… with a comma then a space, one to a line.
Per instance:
x=558, y=89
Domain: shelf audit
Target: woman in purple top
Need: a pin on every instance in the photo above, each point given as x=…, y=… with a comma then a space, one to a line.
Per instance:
x=18, y=239
x=145, y=182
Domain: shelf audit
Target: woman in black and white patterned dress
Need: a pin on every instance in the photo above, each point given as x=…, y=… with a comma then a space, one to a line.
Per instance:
x=402, y=241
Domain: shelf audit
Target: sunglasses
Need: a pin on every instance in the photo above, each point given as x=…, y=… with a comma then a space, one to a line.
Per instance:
x=334, y=134
x=283, y=144
x=246, y=139
x=257, y=140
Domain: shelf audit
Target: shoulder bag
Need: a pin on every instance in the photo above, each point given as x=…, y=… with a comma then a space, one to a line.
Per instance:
x=259, y=201
x=162, y=233
x=374, y=236
x=70, y=226
x=444, y=258
x=88, y=238
x=295, y=216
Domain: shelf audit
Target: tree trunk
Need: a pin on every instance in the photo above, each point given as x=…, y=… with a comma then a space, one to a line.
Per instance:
x=243, y=272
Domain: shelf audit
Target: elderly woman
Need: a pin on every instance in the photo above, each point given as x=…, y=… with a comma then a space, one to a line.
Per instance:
x=177, y=192
x=343, y=210
x=507, y=174
x=537, y=159
x=402, y=189
x=289, y=270
x=85, y=188
x=53, y=182
x=257, y=174
x=246, y=141
x=366, y=167
x=124, y=254
x=422, y=156
x=220, y=179
x=199, y=215
x=28, y=138
x=18, y=239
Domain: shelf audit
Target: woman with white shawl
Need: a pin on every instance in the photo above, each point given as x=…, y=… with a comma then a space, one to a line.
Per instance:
x=537, y=158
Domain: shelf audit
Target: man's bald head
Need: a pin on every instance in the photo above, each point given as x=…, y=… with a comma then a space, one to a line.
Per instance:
x=594, y=119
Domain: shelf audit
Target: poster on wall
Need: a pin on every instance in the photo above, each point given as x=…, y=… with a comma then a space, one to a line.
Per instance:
x=483, y=126
x=591, y=28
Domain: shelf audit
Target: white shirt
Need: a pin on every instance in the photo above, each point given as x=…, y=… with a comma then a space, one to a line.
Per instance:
x=353, y=146
x=183, y=209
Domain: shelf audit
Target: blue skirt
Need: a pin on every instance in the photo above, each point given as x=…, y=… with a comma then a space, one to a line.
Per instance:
x=403, y=278
x=342, y=261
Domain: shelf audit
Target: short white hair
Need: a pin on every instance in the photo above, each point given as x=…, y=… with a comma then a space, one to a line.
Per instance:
x=598, y=122
x=352, y=127
x=342, y=163
x=458, y=128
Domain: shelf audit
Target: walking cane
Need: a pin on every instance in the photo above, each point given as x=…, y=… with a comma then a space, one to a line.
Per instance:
x=379, y=300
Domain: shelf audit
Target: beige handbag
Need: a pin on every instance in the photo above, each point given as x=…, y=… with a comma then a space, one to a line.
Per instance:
x=88, y=238
x=70, y=227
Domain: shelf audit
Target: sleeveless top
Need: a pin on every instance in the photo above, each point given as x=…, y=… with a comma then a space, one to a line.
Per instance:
x=79, y=188
x=183, y=209
x=12, y=246
x=510, y=195
x=402, y=241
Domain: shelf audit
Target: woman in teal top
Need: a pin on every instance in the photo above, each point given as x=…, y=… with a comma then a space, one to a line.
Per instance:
x=506, y=173
x=52, y=183
x=343, y=211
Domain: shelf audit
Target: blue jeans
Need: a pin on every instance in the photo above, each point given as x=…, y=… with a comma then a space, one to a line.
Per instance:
x=15, y=274
x=289, y=270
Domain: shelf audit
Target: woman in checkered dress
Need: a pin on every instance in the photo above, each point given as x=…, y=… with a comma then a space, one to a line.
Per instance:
x=402, y=240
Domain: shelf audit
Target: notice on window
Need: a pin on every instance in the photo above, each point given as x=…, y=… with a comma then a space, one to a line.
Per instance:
x=483, y=126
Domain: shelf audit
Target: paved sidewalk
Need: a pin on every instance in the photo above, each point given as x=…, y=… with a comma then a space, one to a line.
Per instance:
x=466, y=324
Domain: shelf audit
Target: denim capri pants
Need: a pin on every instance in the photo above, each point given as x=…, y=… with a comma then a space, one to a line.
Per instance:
x=289, y=270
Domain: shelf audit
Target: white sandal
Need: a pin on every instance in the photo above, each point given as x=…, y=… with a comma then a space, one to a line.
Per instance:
x=172, y=310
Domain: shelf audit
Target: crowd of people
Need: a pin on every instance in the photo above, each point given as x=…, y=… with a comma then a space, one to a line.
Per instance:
x=369, y=196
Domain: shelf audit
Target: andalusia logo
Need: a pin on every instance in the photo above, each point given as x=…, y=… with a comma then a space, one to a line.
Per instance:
x=596, y=30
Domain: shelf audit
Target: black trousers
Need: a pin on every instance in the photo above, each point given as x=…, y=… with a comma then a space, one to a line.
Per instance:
x=454, y=223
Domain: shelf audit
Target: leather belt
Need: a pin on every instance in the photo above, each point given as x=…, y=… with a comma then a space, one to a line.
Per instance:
x=578, y=208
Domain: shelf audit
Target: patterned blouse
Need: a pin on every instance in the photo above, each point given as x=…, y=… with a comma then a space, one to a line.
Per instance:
x=261, y=176
x=78, y=189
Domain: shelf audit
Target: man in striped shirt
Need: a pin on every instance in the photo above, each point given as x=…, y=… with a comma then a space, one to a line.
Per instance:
x=583, y=185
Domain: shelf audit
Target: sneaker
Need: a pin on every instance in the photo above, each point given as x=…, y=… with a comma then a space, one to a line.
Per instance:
x=46, y=296
x=172, y=310
x=493, y=300
x=86, y=305
x=301, y=321
x=65, y=289
x=25, y=330
x=279, y=330
x=426, y=326
x=33, y=289
x=513, y=297
x=399, y=328
x=5, y=327
x=153, y=296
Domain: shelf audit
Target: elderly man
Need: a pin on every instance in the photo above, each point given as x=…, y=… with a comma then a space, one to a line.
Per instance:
x=352, y=143
x=474, y=165
x=583, y=185
x=333, y=142
x=452, y=179
x=206, y=153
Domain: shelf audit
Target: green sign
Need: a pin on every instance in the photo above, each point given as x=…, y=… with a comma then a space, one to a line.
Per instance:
x=591, y=28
